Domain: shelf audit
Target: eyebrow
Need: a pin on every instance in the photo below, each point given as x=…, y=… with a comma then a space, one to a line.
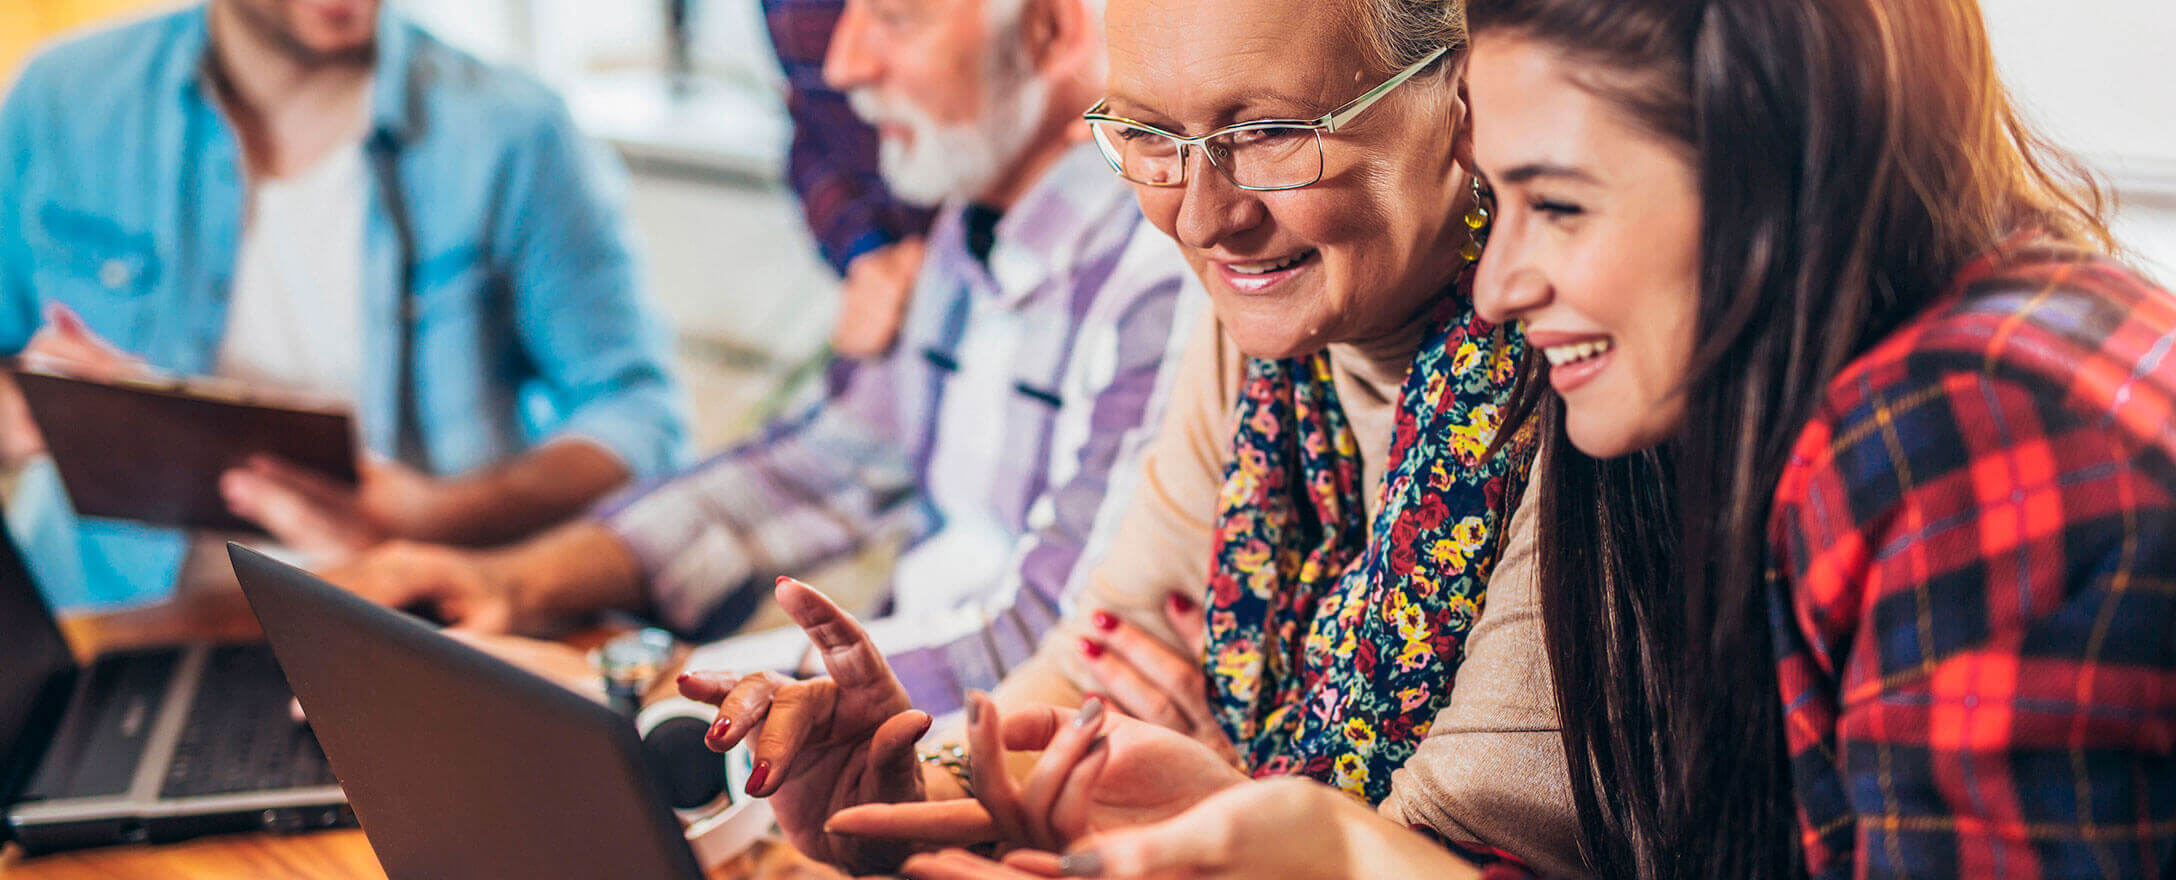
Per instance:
x=1235, y=110
x=1532, y=170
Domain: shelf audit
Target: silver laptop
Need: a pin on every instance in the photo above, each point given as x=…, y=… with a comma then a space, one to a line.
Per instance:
x=147, y=745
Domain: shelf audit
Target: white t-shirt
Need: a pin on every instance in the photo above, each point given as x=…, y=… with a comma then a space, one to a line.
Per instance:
x=294, y=315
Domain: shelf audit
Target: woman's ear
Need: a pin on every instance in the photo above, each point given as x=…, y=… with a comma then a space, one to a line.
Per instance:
x=1460, y=116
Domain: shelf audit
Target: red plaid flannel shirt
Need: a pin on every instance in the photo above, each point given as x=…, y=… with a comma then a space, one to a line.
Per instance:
x=1974, y=585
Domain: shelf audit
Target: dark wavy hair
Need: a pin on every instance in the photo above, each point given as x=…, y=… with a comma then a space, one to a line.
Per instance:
x=1851, y=156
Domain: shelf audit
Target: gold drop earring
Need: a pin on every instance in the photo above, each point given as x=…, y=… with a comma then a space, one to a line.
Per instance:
x=1476, y=224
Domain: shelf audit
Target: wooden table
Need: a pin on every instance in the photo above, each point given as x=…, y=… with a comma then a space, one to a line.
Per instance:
x=312, y=855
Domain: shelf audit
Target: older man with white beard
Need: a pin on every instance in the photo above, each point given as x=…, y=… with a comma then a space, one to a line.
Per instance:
x=1029, y=370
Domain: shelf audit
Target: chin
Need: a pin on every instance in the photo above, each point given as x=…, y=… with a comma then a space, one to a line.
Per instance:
x=1267, y=328
x=1271, y=340
x=1614, y=435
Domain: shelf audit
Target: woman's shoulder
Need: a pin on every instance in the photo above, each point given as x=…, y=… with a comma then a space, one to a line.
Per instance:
x=2042, y=359
x=2075, y=330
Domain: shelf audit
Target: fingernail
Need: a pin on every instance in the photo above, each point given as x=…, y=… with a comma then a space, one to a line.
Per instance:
x=684, y=678
x=1181, y=604
x=1086, y=863
x=1106, y=621
x=974, y=706
x=719, y=729
x=758, y=776
x=782, y=579
x=1092, y=648
x=1090, y=713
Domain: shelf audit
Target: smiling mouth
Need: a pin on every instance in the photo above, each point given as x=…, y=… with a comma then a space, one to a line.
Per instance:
x=1572, y=353
x=1261, y=275
x=1266, y=267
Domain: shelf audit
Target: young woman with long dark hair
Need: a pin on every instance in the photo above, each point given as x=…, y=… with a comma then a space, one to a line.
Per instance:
x=1856, y=392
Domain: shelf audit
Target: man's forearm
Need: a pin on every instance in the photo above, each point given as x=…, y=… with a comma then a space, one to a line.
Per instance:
x=536, y=490
x=578, y=568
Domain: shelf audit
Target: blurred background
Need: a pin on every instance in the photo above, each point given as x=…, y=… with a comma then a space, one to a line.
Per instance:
x=697, y=112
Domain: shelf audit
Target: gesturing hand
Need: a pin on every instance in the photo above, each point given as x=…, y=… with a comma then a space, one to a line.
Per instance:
x=825, y=744
x=1098, y=771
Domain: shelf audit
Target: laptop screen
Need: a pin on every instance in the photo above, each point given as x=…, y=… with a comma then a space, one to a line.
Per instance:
x=34, y=671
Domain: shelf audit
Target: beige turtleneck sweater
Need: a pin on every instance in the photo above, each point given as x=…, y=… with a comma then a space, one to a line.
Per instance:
x=1492, y=767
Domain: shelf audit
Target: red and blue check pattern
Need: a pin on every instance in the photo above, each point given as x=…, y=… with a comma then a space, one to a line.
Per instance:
x=1974, y=585
x=832, y=163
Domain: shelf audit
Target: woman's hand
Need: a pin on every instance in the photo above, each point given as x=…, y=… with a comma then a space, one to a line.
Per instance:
x=1286, y=827
x=1098, y=771
x=825, y=744
x=1145, y=678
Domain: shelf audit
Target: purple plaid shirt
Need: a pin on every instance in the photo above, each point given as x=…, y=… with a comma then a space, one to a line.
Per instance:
x=1090, y=294
x=832, y=161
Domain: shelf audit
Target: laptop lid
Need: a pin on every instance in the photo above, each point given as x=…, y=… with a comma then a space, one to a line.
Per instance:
x=458, y=764
x=37, y=673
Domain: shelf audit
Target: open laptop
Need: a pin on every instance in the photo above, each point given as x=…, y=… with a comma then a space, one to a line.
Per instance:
x=152, y=745
x=457, y=763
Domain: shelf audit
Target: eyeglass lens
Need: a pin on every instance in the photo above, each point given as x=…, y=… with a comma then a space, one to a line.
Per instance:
x=1262, y=158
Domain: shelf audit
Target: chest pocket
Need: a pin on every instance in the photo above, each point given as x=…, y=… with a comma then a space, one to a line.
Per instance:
x=95, y=267
x=1035, y=401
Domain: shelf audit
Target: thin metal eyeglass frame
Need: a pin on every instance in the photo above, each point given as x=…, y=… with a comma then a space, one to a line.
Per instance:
x=1328, y=123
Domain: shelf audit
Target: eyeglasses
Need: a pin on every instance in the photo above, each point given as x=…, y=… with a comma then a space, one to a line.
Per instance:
x=1265, y=155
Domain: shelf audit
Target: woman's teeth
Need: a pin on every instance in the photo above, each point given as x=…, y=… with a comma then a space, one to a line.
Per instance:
x=1560, y=355
x=1268, y=267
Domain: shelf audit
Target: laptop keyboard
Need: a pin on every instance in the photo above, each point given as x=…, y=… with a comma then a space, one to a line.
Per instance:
x=239, y=736
x=98, y=746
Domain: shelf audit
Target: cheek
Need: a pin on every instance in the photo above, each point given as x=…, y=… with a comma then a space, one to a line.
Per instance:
x=1161, y=206
x=931, y=73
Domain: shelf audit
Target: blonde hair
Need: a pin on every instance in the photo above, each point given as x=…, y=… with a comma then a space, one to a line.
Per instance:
x=1400, y=32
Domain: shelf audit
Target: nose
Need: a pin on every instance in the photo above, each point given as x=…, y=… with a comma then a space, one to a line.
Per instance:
x=849, y=63
x=1212, y=208
x=1505, y=287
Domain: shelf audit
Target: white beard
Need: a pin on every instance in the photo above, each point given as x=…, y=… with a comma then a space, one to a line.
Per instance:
x=961, y=160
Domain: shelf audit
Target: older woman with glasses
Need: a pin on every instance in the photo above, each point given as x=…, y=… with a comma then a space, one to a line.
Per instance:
x=1331, y=452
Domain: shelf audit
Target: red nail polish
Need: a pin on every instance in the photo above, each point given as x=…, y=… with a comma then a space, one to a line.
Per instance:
x=758, y=776
x=1092, y=648
x=685, y=677
x=1106, y=621
x=782, y=579
x=721, y=728
x=1181, y=604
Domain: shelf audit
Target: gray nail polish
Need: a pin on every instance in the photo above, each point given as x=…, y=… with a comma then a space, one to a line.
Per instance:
x=974, y=705
x=1090, y=713
x=1086, y=863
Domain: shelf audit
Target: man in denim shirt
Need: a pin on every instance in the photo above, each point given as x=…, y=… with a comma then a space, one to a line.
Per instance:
x=324, y=197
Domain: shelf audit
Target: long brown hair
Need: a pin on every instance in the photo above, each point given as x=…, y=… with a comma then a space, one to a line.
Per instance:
x=1851, y=156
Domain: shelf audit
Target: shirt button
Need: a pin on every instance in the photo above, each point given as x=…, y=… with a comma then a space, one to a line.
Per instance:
x=115, y=274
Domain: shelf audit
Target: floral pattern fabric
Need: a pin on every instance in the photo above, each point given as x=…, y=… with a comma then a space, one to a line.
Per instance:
x=1332, y=642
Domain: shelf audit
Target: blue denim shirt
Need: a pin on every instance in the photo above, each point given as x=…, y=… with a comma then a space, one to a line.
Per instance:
x=501, y=268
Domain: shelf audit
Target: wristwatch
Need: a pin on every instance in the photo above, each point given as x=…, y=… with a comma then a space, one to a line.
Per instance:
x=630, y=663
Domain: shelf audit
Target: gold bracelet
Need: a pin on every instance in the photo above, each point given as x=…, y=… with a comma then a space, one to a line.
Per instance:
x=953, y=759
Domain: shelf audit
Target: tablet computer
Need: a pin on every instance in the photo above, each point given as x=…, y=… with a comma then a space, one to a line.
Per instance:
x=153, y=449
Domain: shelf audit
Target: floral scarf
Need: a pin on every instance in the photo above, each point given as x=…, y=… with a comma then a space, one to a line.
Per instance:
x=1331, y=645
